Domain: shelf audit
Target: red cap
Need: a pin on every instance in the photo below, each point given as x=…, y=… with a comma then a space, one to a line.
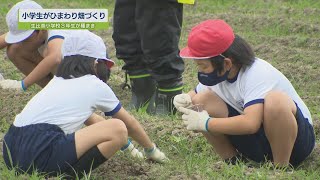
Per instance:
x=208, y=39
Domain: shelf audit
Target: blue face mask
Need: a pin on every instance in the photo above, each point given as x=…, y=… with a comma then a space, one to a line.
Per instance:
x=211, y=79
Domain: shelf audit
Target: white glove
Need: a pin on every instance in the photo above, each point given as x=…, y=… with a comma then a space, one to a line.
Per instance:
x=11, y=84
x=156, y=155
x=182, y=100
x=133, y=151
x=195, y=121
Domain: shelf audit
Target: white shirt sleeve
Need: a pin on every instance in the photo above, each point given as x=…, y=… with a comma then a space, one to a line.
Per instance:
x=257, y=86
x=201, y=88
x=106, y=100
x=53, y=34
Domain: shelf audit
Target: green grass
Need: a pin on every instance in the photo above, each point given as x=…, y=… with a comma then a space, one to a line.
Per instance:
x=286, y=33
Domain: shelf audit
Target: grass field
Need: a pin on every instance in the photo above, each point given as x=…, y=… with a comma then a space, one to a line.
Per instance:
x=285, y=33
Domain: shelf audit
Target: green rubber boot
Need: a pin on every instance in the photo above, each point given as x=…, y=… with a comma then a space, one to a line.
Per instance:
x=143, y=89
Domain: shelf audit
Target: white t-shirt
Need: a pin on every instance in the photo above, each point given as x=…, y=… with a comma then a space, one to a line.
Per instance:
x=68, y=103
x=252, y=84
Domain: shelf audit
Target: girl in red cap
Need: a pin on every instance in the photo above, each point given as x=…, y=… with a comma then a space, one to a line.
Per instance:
x=251, y=110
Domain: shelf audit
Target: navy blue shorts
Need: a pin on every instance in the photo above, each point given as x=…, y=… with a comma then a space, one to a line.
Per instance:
x=257, y=148
x=44, y=147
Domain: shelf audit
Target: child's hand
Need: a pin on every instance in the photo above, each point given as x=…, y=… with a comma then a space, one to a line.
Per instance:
x=133, y=151
x=156, y=155
x=195, y=121
x=182, y=100
x=11, y=84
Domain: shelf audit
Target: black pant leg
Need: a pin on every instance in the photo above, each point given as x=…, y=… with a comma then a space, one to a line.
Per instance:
x=125, y=35
x=159, y=25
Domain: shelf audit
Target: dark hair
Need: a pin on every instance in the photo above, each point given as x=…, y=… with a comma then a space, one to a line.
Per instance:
x=217, y=63
x=77, y=65
x=240, y=52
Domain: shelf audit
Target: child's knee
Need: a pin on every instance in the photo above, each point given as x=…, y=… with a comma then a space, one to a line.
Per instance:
x=195, y=99
x=198, y=99
x=277, y=102
x=120, y=130
x=13, y=51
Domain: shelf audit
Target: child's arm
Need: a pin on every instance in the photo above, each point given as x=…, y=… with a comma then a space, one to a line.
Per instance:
x=3, y=43
x=92, y=119
x=135, y=129
x=248, y=123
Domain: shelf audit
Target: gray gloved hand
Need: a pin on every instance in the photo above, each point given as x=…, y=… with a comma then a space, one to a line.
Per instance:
x=195, y=121
x=11, y=84
x=133, y=151
x=182, y=100
x=156, y=155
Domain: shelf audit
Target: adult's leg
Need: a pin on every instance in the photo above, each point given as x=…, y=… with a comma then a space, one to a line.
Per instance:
x=159, y=25
x=26, y=59
x=128, y=48
x=280, y=125
x=216, y=107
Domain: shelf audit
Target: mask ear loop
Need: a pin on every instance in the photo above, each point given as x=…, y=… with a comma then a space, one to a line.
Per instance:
x=231, y=62
x=223, y=58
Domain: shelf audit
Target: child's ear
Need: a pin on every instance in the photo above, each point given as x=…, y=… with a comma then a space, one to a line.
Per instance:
x=227, y=64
